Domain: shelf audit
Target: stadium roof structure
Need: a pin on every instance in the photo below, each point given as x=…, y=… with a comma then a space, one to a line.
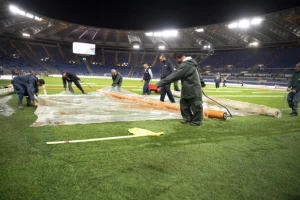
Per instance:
x=280, y=28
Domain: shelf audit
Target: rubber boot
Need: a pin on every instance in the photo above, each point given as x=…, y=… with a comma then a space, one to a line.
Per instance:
x=20, y=106
x=28, y=102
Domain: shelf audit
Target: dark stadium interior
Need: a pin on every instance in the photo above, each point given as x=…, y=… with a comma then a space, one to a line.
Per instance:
x=216, y=47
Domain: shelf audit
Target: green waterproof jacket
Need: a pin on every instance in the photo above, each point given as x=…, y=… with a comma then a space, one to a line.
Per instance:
x=295, y=81
x=188, y=74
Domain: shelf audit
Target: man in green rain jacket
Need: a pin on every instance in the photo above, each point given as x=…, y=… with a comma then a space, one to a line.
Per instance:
x=191, y=96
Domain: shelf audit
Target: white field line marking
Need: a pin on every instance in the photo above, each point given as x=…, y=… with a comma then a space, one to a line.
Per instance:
x=89, y=84
x=224, y=91
x=229, y=89
x=268, y=92
x=251, y=96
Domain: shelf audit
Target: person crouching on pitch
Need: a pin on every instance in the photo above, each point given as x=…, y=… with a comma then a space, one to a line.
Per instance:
x=117, y=80
x=191, y=97
x=27, y=85
x=70, y=77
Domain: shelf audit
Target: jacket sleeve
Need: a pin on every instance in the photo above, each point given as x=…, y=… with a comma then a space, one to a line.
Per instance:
x=116, y=80
x=31, y=88
x=170, y=67
x=298, y=88
x=176, y=75
x=76, y=77
x=64, y=82
x=291, y=81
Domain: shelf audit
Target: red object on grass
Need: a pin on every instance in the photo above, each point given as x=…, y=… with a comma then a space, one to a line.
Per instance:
x=152, y=87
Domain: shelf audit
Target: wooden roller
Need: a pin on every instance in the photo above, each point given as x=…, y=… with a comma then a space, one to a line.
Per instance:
x=164, y=105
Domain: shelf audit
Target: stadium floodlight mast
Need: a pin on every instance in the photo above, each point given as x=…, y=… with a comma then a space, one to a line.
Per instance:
x=170, y=33
x=38, y=18
x=233, y=25
x=26, y=34
x=199, y=30
x=136, y=46
x=166, y=33
x=29, y=15
x=149, y=34
x=244, y=23
x=256, y=21
x=16, y=10
x=157, y=34
x=254, y=44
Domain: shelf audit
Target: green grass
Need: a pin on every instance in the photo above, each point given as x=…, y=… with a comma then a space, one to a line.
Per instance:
x=255, y=157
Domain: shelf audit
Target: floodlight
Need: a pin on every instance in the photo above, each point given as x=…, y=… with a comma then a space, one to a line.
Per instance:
x=233, y=25
x=29, y=15
x=244, y=23
x=205, y=47
x=199, y=30
x=254, y=44
x=149, y=34
x=13, y=9
x=136, y=46
x=208, y=46
x=37, y=18
x=161, y=47
x=157, y=34
x=170, y=33
x=26, y=35
x=256, y=21
x=21, y=12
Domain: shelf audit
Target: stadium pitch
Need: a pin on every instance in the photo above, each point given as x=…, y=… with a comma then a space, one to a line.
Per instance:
x=251, y=157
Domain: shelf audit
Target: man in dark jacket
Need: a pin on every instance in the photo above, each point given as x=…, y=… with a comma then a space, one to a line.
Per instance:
x=147, y=78
x=70, y=77
x=217, y=80
x=167, y=69
x=191, y=96
x=27, y=85
x=294, y=89
x=117, y=80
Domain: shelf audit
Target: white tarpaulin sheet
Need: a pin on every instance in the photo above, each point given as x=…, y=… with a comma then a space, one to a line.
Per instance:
x=98, y=107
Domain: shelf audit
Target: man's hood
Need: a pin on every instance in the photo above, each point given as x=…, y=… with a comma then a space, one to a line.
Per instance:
x=190, y=61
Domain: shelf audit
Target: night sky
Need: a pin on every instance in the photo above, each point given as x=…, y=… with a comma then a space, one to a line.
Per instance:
x=152, y=15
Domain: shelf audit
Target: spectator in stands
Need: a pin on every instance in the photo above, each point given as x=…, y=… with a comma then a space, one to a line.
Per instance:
x=70, y=77
x=147, y=78
x=27, y=85
x=117, y=80
x=167, y=69
x=191, y=96
x=224, y=81
x=294, y=89
x=217, y=80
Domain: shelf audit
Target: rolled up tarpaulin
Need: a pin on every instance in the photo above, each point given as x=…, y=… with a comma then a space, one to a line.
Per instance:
x=164, y=105
x=241, y=106
x=6, y=91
